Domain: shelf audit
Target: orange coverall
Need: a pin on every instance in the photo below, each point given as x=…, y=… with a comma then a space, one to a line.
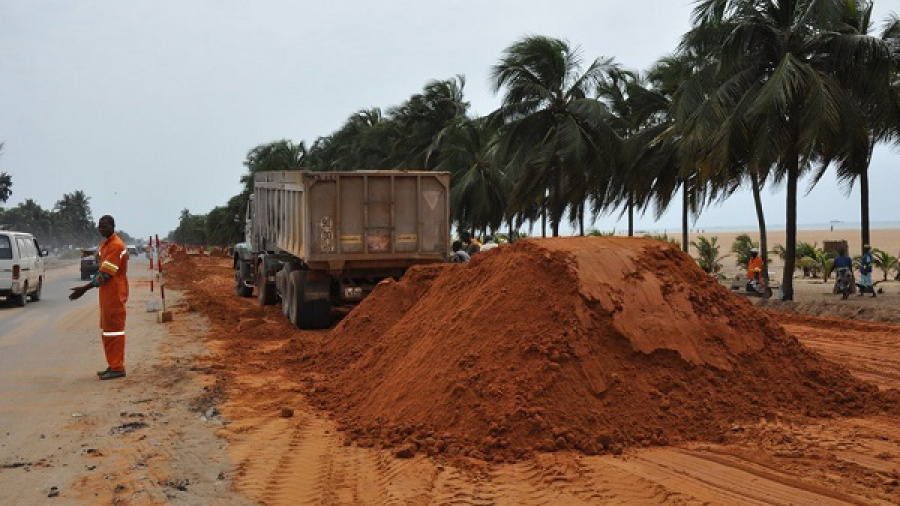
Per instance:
x=754, y=267
x=113, y=296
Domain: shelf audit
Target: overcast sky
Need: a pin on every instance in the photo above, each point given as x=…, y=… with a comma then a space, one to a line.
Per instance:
x=150, y=107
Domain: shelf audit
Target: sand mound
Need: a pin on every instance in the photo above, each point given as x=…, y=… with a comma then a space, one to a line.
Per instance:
x=572, y=343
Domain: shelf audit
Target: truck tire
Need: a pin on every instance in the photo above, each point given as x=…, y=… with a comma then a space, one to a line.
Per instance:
x=319, y=313
x=286, y=288
x=241, y=273
x=295, y=281
x=265, y=291
x=307, y=314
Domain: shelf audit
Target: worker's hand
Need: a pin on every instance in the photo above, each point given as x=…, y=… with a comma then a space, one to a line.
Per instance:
x=77, y=292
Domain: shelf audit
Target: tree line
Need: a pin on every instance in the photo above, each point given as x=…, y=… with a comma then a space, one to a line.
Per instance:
x=68, y=223
x=758, y=93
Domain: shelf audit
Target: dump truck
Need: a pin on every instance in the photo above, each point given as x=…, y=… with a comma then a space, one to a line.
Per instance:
x=315, y=241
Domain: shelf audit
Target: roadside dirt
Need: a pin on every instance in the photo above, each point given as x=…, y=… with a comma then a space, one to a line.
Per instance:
x=619, y=375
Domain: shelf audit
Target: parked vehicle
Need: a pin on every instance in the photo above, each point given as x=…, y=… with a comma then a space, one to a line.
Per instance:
x=21, y=267
x=319, y=239
x=90, y=262
x=132, y=250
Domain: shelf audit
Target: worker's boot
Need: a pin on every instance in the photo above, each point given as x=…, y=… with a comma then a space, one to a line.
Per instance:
x=110, y=374
x=101, y=373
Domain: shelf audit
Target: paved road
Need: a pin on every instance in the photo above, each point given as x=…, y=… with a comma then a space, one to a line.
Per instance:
x=49, y=352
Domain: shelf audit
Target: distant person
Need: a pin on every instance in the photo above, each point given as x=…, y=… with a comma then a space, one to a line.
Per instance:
x=754, y=265
x=843, y=264
x=472, y=245
x=112, y=280
x=865, y=271
x=488, y=243
x=459, y=254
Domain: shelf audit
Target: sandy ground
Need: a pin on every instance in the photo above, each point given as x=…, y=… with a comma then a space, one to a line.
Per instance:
x=193, y=424
x=887, y=240
x=71, y=439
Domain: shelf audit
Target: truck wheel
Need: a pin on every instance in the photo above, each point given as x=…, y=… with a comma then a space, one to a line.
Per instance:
x=319, y=313
x=307, y=314
x=295, y=293
x=265, y=291
x=240, y=274
x=286, y=288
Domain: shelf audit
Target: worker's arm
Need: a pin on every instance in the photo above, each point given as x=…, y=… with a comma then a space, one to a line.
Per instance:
x=96, y=281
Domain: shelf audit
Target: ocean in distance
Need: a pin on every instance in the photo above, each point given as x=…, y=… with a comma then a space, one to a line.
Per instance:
x=833, y=225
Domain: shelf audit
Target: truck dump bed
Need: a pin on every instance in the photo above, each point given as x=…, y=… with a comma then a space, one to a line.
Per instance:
x=337, y=221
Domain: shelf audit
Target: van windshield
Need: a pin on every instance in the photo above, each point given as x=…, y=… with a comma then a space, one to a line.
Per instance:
x=5, y=248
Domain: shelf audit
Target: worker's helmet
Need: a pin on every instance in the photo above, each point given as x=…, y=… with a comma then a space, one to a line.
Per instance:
x=754, y=250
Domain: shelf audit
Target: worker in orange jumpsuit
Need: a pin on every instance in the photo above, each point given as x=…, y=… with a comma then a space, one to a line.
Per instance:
x=754, y=265
x=112, y=280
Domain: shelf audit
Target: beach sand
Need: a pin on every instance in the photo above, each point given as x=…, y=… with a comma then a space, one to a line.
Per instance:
x=814, y=295
x=884, y=239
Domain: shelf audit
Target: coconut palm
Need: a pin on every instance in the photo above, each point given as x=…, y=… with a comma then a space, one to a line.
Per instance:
x=783, y=67
x=277, y=155
x=421, y=118
x=552, y=134
x=623, y=92
x=678, y=85
x=478, y=188
x=876, y=120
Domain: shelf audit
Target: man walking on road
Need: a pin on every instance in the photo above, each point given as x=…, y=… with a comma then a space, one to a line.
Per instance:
x=112, y=279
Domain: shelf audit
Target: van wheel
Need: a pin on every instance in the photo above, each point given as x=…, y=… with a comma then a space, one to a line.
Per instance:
x=22, y=298
x=36, y=296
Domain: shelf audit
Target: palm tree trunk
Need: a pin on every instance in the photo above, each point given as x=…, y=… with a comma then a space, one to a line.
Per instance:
x=544, y=217
x=761, y=220
x=864, y=198
x=790, y=254
x=555, y=214
x=630, y=214
x=685, y=204
x=581, y=219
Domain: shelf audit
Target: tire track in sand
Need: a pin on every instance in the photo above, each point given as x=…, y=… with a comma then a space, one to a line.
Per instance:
x=869, y=355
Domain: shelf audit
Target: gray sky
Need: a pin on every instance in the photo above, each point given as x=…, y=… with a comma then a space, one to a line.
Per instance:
x=150, y=107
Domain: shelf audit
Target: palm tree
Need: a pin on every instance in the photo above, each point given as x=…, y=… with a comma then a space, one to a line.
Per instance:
x=619, y=89
x=277, y=155
x=552, y=134
x=421, y=118
x=678, y=84
x=782, y=71
x=873, y=96
x=478, y=188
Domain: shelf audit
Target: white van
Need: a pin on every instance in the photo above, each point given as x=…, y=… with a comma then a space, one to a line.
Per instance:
x=21, y=267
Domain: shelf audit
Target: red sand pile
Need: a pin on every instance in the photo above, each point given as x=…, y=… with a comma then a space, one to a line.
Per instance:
x=572, y=343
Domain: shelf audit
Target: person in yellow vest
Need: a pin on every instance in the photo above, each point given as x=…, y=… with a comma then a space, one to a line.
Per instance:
x=112, y=280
